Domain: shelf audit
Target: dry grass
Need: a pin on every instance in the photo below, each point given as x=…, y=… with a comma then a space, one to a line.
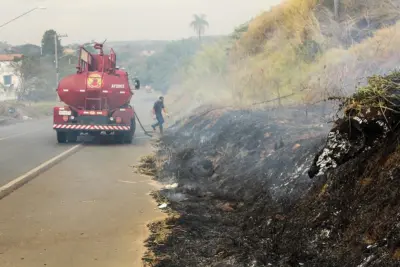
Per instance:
x=147, y=165
x=296, y=48
x=341, y=70
x=162, y=229
x=160, y=232
x=292, y=20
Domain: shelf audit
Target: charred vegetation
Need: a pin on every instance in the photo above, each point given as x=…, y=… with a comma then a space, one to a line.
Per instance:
x=244, y=200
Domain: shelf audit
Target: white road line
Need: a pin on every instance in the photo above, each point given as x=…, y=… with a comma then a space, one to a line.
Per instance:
x=23, y=179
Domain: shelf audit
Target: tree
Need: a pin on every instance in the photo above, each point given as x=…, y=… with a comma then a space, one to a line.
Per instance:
x=27, y=70
x=4, y=47
x=29, y=50
x=48, y=47
x=199, y=24
x=238, y=32
x=159, y=69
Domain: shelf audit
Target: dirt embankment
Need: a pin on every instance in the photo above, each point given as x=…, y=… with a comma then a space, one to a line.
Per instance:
x=236, y=173
x=244, y=197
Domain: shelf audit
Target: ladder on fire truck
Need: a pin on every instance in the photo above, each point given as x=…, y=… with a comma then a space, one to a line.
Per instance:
x=88, y=63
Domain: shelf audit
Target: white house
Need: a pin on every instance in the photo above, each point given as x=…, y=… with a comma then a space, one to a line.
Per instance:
x=9, y=81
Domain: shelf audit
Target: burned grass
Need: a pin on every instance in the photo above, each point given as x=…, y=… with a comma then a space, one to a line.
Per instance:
x=160, y=230
x=228, y=167
x=244, y=197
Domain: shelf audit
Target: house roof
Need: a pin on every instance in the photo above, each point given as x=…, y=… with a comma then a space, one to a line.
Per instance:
x=69, y=51
x=10, y=57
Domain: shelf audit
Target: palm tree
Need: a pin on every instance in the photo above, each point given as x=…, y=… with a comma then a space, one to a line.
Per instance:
x=199, y=24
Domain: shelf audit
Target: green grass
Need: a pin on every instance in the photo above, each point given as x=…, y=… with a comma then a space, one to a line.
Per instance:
x=381, y=92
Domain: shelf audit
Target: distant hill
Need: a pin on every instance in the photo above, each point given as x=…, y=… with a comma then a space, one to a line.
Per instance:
x=155, y=62
x=160, y=42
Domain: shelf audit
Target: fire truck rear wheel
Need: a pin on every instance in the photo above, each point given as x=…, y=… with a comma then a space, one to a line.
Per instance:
x=129, y=135
x=119, y=138
x=61, y=137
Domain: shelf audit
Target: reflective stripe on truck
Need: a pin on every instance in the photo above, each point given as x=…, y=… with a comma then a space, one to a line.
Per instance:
x=91, y=127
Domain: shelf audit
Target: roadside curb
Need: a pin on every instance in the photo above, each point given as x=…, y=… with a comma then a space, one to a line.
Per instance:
x=10, y=187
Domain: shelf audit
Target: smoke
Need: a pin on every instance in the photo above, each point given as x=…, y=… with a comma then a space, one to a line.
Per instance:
x=241, y=170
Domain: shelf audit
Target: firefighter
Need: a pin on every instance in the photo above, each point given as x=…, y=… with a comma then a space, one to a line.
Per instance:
x=158, y=109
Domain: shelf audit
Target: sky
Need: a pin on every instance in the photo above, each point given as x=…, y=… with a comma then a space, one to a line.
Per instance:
x=122, y=20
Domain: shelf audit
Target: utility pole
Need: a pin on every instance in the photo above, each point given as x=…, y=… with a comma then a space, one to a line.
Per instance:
x=56, y=36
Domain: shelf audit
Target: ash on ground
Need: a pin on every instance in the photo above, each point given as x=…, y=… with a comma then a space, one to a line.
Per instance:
x=244, y=196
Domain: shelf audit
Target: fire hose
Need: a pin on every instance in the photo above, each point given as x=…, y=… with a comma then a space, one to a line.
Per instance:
x=144, y=130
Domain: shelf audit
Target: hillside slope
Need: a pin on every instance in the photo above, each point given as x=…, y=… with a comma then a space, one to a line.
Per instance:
x=243, y=196
x=238, y=187
x=298, y=48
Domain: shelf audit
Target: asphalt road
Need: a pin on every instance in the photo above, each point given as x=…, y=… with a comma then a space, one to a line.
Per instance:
x=24, y=146
x=91, y=209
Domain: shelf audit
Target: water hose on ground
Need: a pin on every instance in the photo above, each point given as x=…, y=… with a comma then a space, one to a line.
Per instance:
x=144, y=130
